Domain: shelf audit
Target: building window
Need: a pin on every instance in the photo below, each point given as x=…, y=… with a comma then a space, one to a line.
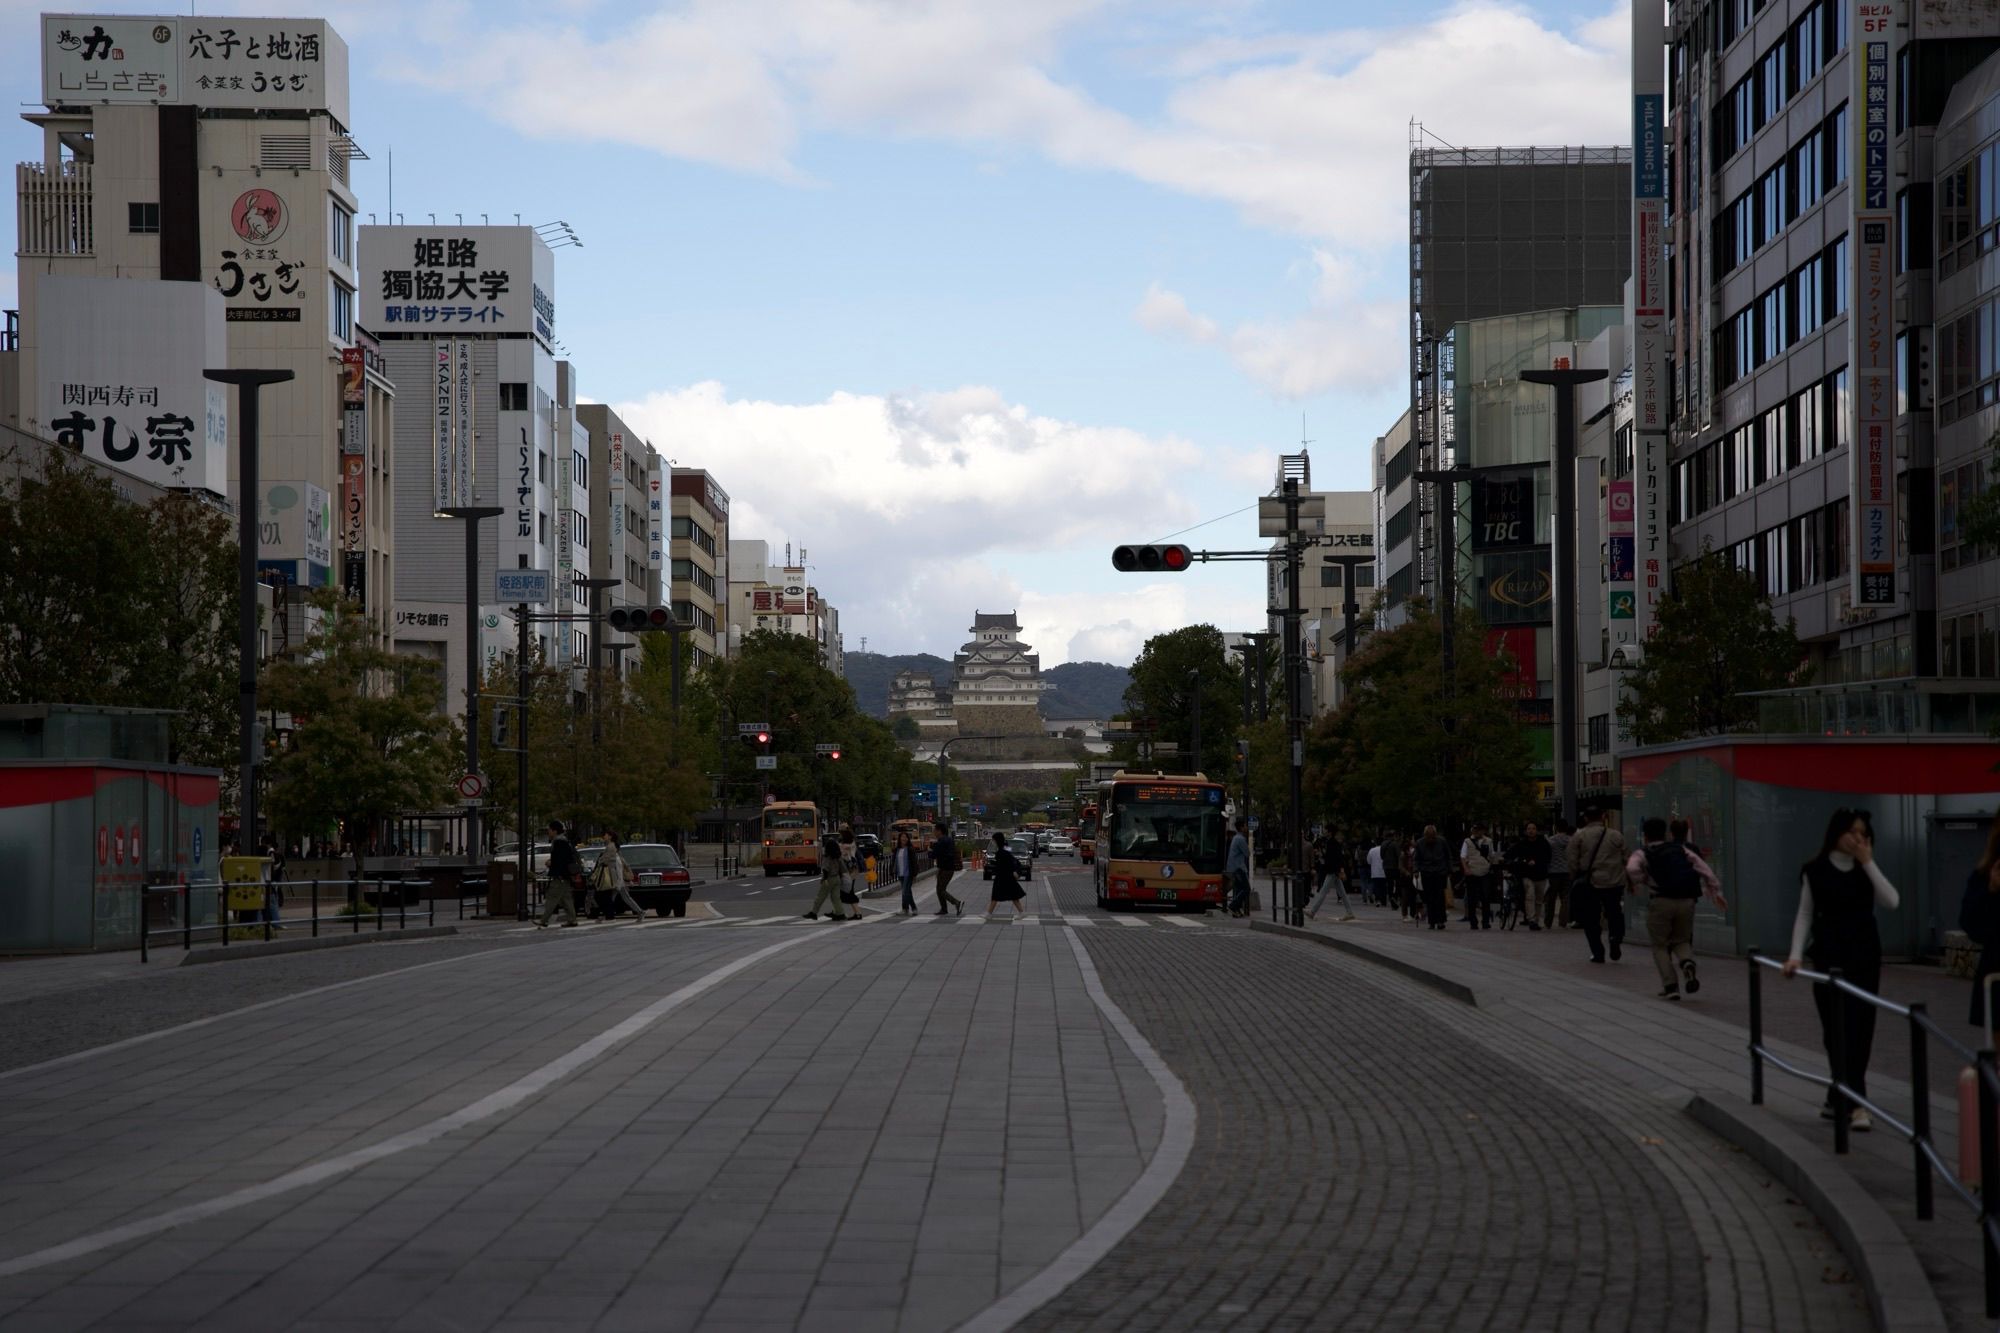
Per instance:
x=143, y=219
x=1329, y=576
x=542, y=466
x=543, y=529
x=1599, y=741
x=340, y=310
x=513, y=396
x=343, y=235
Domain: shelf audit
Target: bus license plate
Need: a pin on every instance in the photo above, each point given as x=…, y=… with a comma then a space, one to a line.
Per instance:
x=1170, y=895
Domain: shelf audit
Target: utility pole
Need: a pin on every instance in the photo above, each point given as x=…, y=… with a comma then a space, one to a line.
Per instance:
x=1293, y=471
x=1447, y=481
x=597, y=587
x=474, y=677
x=526, y=834
x=248, y=506
x=1194, y=762
x=1564, y=557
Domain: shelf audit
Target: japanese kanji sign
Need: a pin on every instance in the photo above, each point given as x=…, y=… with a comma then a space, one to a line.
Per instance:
x=1871, y=334
x=457, y=281
x=119, y=377
x=260, y=64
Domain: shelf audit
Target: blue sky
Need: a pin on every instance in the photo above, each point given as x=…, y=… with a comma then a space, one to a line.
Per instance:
x=959, y=294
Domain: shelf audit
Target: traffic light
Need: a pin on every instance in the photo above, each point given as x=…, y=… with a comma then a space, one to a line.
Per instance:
x=637, y=619
x=827, y=751
x=1151, y=559
x=760, y=739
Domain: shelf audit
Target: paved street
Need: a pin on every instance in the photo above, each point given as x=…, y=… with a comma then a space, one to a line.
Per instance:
x=1083, y=1119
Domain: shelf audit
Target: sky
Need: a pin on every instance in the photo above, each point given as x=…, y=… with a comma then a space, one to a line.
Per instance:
x=959, y=294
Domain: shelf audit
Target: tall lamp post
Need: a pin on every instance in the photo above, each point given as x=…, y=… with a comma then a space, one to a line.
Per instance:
x=470, y=516
x=1448, y=480
x=1564, y=558
x=248, y=502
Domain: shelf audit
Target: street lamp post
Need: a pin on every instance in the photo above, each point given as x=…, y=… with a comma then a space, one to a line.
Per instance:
x=1564, y=557
x=470, y=516
x=1194, y=761
x=1448, y=480
x=248, y=383
x=597, y=586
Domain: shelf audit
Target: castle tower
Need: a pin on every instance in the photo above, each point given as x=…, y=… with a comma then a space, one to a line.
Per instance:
x=998, y=685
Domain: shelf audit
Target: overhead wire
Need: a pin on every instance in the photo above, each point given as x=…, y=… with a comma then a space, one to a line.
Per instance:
x=1205, y=522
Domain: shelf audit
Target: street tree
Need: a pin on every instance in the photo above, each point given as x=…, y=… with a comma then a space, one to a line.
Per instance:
x=188, y=659
x=1399, y=753
x=1714, y=640
x=368, y=739
x=1172, y=670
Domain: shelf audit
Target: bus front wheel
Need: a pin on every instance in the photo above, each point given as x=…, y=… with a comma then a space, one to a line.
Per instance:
x=770, y=872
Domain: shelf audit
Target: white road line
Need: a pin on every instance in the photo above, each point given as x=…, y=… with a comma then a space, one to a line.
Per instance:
x=1078, y=921
x=1119, y=1221
x=505, y=1099
x=1129, y=921
x=1183, y=922
x=970, y=920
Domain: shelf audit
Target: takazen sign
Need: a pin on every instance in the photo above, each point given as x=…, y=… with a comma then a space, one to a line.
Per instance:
x=1871, y=332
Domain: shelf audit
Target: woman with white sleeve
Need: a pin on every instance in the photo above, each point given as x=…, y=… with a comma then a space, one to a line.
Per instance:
x=1839, y=891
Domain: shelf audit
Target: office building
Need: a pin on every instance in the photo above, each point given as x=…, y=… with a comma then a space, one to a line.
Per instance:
x=768, y=595
x=192, y=208
x=698, y=548
x=1345, y=522
x=625, y=484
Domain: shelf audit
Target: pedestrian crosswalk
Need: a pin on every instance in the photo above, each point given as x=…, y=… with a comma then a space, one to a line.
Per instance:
x=1030, y=919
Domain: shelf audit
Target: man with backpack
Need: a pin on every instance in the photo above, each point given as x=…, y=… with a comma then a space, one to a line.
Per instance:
x=1597, y=883
x=1475, y=861
x=1677, y=877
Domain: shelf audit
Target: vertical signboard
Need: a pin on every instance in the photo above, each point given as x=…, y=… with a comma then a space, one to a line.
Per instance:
x=1649, y=349
x=353, y=401
x=565, y=552
x=1871, y=334
x=444, y=484
x=614, y=480
x=524, y=491
x=354, y=527
x=656, y=516
x=1620, y=560
x=462, y=410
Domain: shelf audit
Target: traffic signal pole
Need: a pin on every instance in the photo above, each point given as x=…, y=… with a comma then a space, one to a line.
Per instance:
x=524, y=835
x=1295, y=727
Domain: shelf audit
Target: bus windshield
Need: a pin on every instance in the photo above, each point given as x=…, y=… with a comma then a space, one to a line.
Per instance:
x=1191, y=830
x=789, y=819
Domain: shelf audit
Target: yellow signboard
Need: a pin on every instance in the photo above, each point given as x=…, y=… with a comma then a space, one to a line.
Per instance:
x=244, y=876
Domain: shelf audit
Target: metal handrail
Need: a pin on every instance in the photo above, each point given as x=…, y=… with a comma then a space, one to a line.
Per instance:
x=222, y=928
x=1927, y=1164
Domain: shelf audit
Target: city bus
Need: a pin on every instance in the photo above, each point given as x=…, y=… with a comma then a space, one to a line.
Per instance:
x=920, y=831
x=1161, y=838
x=1086, y=832
x=791, y=837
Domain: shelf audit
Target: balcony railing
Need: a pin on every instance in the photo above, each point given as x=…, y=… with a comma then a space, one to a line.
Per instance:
x=55, y=209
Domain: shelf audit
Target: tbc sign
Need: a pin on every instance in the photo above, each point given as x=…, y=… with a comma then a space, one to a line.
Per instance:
x=1503, y=511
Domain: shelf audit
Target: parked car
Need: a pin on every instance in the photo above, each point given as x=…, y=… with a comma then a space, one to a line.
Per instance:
x=538, y=859
x=660, y=881
x=1023, y=848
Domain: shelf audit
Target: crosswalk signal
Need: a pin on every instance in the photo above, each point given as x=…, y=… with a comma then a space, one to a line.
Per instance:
x=1151, y=559
x=640, y=619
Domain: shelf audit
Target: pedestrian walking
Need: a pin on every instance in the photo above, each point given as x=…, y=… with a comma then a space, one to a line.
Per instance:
x=944, y=855
x=1432, y=857
x=1676, y=877
x=832, y=881
x=1380, y=853
x=1839, y=891
x=1007, y=873
x=1979, y=917
x=904, y=862
x=1530, y=859
x=1475, y=862
x=612, y=876
x=1556, y=910
x=274, y=886
x=850, y=862
x=563, y=869
x=1597, y=884
x=1236, y=870
x=1331, y=873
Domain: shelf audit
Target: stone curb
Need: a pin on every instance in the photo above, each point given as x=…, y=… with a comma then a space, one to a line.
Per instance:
x=226, y=953
x=1436, y=981
x=1899, y=1292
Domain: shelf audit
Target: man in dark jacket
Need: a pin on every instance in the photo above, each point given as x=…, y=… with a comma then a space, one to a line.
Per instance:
x=563, y=868
x=1529, y=859
x=1433, y=868
x=944, y=853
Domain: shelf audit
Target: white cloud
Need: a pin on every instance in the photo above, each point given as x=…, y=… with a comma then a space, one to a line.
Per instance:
x=1162, y=311
x=913, y=504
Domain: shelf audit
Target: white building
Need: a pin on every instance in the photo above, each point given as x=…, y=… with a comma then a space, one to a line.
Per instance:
x=1346, y=533
x=187, y=152
x=764, y=594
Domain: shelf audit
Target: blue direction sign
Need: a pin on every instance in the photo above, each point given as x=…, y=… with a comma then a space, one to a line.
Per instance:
x=534, y=587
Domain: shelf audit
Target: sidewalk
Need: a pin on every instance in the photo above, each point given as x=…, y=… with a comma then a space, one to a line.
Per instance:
x=1542, y=986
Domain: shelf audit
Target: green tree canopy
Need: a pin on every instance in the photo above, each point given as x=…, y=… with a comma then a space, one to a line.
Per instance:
x=367, y=742
x=1171, y=670
x=1387, y=756
x=1714, y=639
x=115, y=604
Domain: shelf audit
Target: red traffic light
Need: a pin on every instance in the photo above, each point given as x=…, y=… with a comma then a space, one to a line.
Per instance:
x=833, y=754
x=1151, y=559
x=763, y=738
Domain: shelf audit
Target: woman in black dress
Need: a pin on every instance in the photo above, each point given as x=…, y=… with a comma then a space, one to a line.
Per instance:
x=1979, y=917
x=1006, y=878
x=1839, y=891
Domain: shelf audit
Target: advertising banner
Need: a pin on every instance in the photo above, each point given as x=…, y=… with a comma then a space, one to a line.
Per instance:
x=479, y=279
x=119, y=377
x=353, y=503
x=295, y=531
x=1503, y=510
x=1518, y=680
x=249, y=63
x=614, y=480
x=462, y=418
x=1649, y=344
x=260, y=244
x=1619, y=507
x=524, y=488
x=656, y=516
x=353, y=377
x=1871, y=334
x=444, y=483
x=792, y=601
